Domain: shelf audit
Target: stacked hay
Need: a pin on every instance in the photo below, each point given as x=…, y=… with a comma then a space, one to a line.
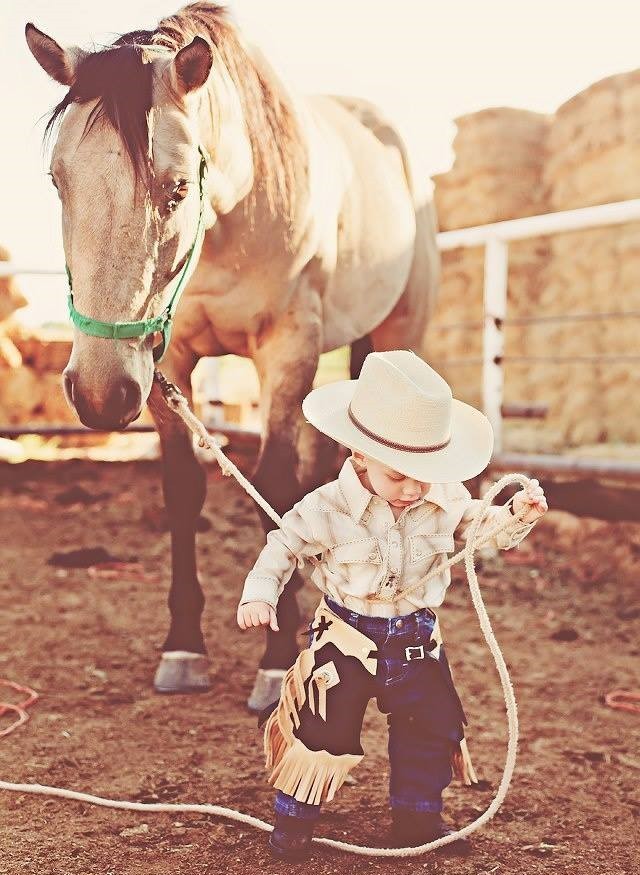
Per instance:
x=497, y=175
x=510, y=164
x=11, y=298
x=30, y=365
x=594, y=158
x=31, y=389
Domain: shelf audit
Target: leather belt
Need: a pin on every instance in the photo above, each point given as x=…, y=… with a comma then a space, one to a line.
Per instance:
x=406, y=654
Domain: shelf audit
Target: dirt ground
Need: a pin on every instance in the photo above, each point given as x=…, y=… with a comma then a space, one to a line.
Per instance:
x=565, y=609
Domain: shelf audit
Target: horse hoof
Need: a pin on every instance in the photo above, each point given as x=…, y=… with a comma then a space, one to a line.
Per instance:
x=266, y=689
x=182, y=672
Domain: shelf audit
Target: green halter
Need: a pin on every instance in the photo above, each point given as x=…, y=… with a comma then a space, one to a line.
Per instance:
x=144, y=327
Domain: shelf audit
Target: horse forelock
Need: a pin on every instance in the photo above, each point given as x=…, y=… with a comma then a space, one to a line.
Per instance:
x=121, y=83
x=120, y=79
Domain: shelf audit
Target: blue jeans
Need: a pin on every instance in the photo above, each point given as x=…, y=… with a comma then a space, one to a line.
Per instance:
x=424, y=714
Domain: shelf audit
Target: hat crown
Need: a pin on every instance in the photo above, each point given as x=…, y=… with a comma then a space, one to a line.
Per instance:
x=400, y=400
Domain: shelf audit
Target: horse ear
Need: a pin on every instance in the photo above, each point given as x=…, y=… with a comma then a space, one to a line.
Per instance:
x=61, y=64
x=192, y=65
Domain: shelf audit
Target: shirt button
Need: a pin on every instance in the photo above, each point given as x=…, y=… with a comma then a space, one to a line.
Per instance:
x=398, y=624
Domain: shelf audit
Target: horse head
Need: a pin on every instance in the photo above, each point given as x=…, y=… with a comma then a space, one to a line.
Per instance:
x=127, y=163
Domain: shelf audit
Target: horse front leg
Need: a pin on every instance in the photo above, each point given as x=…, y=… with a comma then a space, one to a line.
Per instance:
x=286, y=363
x=184, y=664
x=319, y=457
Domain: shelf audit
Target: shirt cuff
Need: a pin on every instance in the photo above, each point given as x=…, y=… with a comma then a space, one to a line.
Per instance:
x=515, y=532
x=260, y=589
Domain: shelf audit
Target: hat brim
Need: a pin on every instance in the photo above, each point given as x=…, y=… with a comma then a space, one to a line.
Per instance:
x=465, y=456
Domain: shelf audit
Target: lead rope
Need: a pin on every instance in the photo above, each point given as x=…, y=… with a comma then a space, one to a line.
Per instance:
x=178, y=404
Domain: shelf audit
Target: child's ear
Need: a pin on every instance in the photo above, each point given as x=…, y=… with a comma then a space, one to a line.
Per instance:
x=359, y=460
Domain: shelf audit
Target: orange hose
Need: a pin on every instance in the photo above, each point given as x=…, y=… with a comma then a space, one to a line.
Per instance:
x=18, y=708
x=624, y=700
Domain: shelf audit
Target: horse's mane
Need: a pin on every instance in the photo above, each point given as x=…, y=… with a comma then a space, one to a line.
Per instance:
x=121, y=81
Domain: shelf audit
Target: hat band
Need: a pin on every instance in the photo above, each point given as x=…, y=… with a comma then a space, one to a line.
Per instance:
x=394, y=446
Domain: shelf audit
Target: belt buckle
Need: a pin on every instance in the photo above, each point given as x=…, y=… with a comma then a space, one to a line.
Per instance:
x=419, y=655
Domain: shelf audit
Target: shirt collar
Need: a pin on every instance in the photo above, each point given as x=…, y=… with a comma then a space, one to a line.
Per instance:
x=355, y=494
x=440, y=494
x=358, y=497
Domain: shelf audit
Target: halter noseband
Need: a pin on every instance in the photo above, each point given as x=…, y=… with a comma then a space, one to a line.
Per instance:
x=144, y=327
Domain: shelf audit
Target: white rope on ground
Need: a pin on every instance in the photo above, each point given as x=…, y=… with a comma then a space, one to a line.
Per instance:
x=182, y=409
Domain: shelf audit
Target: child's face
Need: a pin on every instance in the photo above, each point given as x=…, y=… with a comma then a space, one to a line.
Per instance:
x=398, y=490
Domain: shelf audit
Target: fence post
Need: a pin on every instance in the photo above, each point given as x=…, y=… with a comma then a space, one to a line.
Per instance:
x=206, y=389
x=496, y=269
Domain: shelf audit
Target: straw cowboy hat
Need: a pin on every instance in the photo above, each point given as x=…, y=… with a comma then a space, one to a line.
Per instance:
x=402, y=413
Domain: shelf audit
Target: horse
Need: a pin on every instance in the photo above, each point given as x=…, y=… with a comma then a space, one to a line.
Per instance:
x=180, y=155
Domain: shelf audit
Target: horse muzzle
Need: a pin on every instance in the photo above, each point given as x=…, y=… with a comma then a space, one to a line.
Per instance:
x=110, y=409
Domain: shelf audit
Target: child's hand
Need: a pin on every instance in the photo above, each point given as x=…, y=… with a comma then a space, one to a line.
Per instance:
x=533, y=498
x=257, y=614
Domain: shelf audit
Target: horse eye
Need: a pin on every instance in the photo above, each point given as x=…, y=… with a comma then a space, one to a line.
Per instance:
x=178, y=194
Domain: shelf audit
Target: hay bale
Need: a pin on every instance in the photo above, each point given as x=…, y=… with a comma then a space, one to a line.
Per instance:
x=496, y=176
x=593, y=158
x=511, y=163
x=11, y=298
x=44, y=350
x=28, y=397
x=9, y=353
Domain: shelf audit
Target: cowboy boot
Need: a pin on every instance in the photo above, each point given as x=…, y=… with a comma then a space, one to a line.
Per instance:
x=291, y=837
x=409, y=829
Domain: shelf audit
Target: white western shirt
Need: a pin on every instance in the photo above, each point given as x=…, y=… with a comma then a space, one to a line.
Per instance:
x=365, y=553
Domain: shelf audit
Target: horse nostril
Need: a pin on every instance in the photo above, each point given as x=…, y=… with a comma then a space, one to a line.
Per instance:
x=68, y=378
x=131, y=397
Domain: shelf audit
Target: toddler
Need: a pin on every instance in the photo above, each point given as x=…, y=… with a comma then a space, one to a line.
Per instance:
x=373, y=535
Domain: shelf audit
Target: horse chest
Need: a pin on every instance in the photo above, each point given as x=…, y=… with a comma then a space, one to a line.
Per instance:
x=220, y=313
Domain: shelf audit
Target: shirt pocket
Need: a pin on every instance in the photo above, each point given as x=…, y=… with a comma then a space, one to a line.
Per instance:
x=423, y=546
x=366, y=551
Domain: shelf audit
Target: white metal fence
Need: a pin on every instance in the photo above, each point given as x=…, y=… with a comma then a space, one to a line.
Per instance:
x=496, y=238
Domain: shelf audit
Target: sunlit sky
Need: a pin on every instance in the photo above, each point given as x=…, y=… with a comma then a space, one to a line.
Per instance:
x=423, y=62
